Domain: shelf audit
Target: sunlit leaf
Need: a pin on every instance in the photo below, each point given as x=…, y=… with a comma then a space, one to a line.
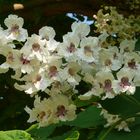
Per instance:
x=15, y=135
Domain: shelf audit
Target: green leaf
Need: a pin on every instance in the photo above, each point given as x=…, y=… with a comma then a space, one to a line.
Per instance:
x=15, y=135
x=124, y=105
x=41, y=133
x=73, y=136
x=88, y=118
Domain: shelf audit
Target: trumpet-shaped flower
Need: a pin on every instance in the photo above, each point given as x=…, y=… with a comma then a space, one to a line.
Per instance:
x=63, y=107
x=69, y=47
x=110, y=59
x=48, y=33
x=35, y=48
x=127, y=46
x=89, y=49
x=42, y=112
x=80, y=29
x=70, y=73
x=15, y=30
x=124, y=82
x=105, y=80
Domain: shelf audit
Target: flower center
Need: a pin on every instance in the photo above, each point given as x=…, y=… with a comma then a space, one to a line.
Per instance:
x=88, y=51
x=107, y=85
x=37, y=78
x=52, y=71
x=56, y=84
x=71, y=48
x=36, y=47
x=41, y=115
x=125, y=82
x=24, y=60
x=10, y=57
x=108, y=62
x=71, y=71
x=61, y=111
x=132, y=64
x=15, y=29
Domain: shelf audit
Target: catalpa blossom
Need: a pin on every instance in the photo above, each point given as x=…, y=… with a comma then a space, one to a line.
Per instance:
x=110, y=59
x=105, y=80
x=12, y=56
x=132, y=61
x=4, y=41
x=127, y=46
x=124, y=82
x=35, y=48
x=42, y=112
x=52, y=69
x=64, y=109
x=89, y=49
x=48, y=33
x=69, y=47
x=70, y=73
x=15, y=30
x=35, y=81
x=80, y=29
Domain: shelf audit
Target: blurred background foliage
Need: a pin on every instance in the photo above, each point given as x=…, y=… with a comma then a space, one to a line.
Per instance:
x=38, y=13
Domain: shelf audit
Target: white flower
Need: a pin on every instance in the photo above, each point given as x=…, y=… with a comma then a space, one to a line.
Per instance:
x=4, y=41
x=52, y=69
x=124, y=82
x=70, y=73
x=69, y=47
x=47, y=33
x=15, y=30
x=35, y=48
x=132, y=61
x=42, y=112
x=110, y=59
x=52, y=45
x=12, y=60
x=35, y=81
x=64, y=109
x=89, y=49
x=127, y=45
x=80, y=29
x=105, y=80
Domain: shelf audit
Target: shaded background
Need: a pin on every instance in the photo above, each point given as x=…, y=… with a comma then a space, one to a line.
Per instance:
x=59, y=14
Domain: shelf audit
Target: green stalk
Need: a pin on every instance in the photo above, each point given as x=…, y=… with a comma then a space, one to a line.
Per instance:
x=135, y=100
x=109, y=130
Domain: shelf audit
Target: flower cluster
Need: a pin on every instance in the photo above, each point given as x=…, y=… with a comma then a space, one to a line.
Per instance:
x=57, y=68
x=117, y=26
